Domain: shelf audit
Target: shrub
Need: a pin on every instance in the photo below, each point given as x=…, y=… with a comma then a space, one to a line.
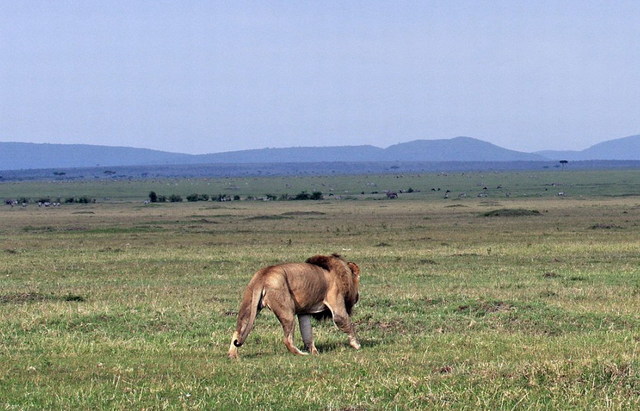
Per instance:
x=85, y=200
x=198, y=197
x=175, y=198
x=511, y=212
x=79, y=200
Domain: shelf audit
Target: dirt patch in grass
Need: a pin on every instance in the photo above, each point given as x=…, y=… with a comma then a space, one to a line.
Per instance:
x=510, y=212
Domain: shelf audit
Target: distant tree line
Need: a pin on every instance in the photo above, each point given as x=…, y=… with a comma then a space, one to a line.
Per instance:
x=58, y=200
x=159, y=198
x=175, y=198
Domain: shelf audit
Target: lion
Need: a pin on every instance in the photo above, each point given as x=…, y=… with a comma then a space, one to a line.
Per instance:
x=322, y=287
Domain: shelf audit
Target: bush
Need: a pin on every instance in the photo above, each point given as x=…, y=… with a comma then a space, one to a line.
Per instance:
x=197, y=197
x=303, y=195
x=79, y=200
x=174, y=198
x=511, y=212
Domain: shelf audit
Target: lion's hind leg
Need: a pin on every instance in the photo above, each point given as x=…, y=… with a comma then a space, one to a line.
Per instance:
x=307, y=333
x=283, y=307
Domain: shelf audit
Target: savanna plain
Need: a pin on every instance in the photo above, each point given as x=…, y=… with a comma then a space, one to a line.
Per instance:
x=503, y=295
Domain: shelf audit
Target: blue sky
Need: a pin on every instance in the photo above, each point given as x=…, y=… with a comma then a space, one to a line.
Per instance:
x=212, y=76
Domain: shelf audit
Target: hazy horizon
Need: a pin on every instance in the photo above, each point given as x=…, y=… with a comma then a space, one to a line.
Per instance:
x=296, y=146
x=209, y=77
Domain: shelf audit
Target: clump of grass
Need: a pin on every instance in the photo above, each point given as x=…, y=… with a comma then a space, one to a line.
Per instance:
x=605, y=227
x=21, y=298
x=303, y=213
x=268, y=217
x=511, y=212
x=482, y=308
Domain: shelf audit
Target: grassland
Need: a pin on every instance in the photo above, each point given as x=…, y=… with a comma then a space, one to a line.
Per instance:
x=121, y=305
x=426, y=186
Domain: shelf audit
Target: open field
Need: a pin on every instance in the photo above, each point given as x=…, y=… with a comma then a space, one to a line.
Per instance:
x=515, y=184
x=122, y=305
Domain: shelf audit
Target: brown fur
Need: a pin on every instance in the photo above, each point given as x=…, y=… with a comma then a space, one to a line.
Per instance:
x=323, y=286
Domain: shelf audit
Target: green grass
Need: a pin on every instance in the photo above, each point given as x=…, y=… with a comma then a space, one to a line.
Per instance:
x=432, y=186
x=117, y=305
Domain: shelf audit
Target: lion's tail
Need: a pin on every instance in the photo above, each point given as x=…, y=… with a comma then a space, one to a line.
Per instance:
x=247, y=314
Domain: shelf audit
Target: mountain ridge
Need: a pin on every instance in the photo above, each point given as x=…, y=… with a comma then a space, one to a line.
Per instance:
x=17, y=156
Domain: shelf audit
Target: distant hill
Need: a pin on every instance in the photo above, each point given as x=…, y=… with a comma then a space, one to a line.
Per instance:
x=295, y=155
x=561, y=155
x=455, y=149
x=17, y=156
x=21, y=156
x=626, y=148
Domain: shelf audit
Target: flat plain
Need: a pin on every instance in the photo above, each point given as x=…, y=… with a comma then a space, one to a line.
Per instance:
x=503, y=295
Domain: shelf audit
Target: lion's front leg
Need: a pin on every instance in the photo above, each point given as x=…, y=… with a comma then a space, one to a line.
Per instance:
x=343, y=322
x=307, y=333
